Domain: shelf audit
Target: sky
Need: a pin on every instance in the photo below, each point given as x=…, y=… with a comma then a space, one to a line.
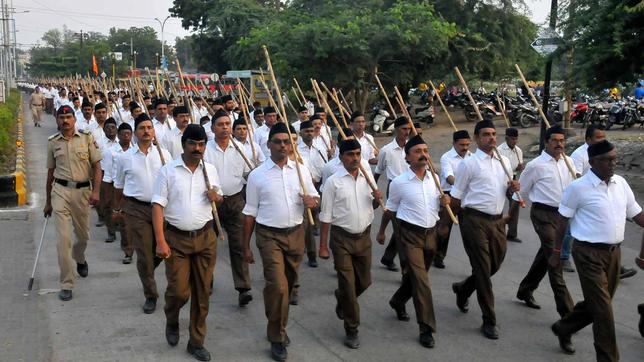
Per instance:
x=100, y=16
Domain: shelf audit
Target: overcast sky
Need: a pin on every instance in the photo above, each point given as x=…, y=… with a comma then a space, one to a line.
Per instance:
x=99, y=16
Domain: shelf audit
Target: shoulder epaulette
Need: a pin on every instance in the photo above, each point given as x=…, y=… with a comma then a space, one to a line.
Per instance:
x=84, y=131
x=54, y=136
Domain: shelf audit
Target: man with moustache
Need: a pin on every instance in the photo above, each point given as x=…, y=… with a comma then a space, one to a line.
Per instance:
x=87, y=122
x=358, y=125
x=162, y=124
x=302, y=116
x=172, y=139
x=104, y=208
x=261, y=133
x=136, y=170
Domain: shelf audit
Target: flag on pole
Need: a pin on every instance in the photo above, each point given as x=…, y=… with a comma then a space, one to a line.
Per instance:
x=94, y=65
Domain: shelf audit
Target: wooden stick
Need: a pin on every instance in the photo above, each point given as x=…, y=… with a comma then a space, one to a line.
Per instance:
x=297, y=96
x=297, y=84
x=345, y=101
x=213, y=205
x=469, y=95
x=326, y=126
x=384, y=93
x=443, y=106
x=317, y=96
x=498, y=100
x=186, y=96
x=248, y=126
x=293, y=145
x=334, y=96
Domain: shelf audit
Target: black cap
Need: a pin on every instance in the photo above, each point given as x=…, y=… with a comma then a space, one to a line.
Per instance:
x=301, y=109
x=556, y=129
x=218, y=101
x=355, y=115
x=141, y=118
x=460, y=135
x=349, y=145
x=180, y=110
x=512, y=132
x=319, y=110
x=160, y=101
x=416, y=140
x=279, y=127
x=400, y=121
x=65, y=110
x=110, y=120
x=194, y=132
x=86, y=103
x=258, y=111
x=269, y=109
x=226, y=98
x=239, y=122
x=483, y=124
x=124, y=126
x=600, y=148
x=314, y=117
x=133, y=106
x=306, y=125
x=219, y=114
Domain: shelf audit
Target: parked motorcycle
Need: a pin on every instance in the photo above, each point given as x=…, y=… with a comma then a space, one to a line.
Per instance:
x=381, y=121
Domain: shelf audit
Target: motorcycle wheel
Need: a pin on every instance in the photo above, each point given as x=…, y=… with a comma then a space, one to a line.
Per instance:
x=525, y=121
x=627, y=121
x=470, y=116
x=375, y=128
x=609, y=123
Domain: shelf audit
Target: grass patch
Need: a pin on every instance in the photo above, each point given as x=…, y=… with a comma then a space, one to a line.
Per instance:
x=8, y=118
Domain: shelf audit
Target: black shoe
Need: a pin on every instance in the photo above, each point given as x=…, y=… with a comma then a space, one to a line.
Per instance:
x=565, y=341
x=401, y=312
x=312, y=262
x=200, y=353
x=172, y=334
x=127, y=259
x=150, y=305
x=287, y=341
x=640, y=310
x=626, y=272
x=352, y=341
x=490, y=331
x=514, y=239
x=65, y=295
x=529, y=300
x=427, y=340
x=110, y=238
x=390, y=265
x=294, y=298
x=338, y=311
x=278, y=352
x=438, y=263
x=461, y=301
x=244, y=298
x=82, y=269
x=100, y=223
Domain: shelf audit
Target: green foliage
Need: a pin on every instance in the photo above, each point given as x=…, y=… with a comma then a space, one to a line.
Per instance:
x=8, y=115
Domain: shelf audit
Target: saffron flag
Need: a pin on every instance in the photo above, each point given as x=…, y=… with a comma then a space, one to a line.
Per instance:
x=94, y=65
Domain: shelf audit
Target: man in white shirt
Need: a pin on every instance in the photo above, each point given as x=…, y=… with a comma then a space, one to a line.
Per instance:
x=480, y=189
x=347, y=211
x=229, y=107
x=162, y=124
x=104, y=207
x=257, y=118
x=367, y=144
x=596, y=206
x=275, y=205
x=450, y=161
x=302, y=116
x=136, y=171
x=391, y=160
x=261, y=133
x=100, y=116
x=232, y=171
x=510, y=150
x=87, y=121
x=594, y=134
x=199, y=110
x=253, y=152
x=322, y=133
x=414, y=203
x=183, y=195
x=543, y=181
x=172, y=139
x=62, y=100
x=335, y=164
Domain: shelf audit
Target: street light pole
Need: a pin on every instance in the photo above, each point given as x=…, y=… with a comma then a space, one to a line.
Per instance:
x=162, y=23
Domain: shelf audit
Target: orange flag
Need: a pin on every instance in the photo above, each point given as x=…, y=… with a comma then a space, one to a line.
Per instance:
x=94, y=65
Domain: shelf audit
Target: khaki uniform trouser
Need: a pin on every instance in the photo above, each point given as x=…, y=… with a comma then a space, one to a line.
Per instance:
x=485, y=244
x=36, y=114
x=231, y=221
x=139, y=228
x=189, y=271
x=70, y=208
x=281, y=257
x=598, y=271
x=417, y=249
x=352, y=261
x=545, y=224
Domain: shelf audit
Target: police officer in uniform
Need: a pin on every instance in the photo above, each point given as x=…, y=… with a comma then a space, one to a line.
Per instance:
x=72, y=159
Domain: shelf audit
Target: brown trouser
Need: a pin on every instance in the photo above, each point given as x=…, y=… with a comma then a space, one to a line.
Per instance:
x=70, y=208
x=514, y=216
x=352, y=261
x=189, y=271
x=417, y=248
x=391, y=250
x=105, y=204
x=443, y=232
x=139, y=228
x=281, y=251
x=544, y=221
x=485, y=244
x=231, y=221
x=598, y=267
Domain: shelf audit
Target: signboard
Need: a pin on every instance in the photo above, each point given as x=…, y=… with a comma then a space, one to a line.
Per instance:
x=547, y=42
x=118, y=56
x=238, y=74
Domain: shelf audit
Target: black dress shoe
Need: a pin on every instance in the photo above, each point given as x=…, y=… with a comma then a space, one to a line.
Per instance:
x=294, y=298
x=100, y=223
x=82, y=269
x=338, y=311
x=127, y=259
x=200, y=353
x=172, y=334
x=427, y=340
x=65, y=295
x=490, y=331
x=150, y=305
x=313, y=263
x=110, y=238
x=529, y=300
x=514, y=239
x=626, y=272
x=565, y=341
x=461, y=301
x=278, y=352
x=438, y=263
x=244, y=298
x=352, y=341
x=391, y=266
x=401, y=311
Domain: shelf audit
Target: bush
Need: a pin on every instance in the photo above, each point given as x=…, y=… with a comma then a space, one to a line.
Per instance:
x=8, y=117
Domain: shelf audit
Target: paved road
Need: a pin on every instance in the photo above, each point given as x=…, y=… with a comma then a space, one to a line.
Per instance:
x=104, y=321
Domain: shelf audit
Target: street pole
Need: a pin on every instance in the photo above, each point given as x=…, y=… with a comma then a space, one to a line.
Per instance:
x=162, y=23
x=546, y=83
x=132, y=56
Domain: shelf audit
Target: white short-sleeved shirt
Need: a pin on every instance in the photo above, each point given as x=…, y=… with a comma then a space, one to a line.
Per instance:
x=336, y=165
x=315, y=161
x=391, y=160
x=182, y=194
x=481, y=183
x=83, y=124
x=598, y=210
x=109, y=161
x=172, y=142
x=449, y=163
x=366, y=149
x=160, y=129
x=515, y=155
x=248, y=150
x=261, y=137
x=347, y=202
x=413, y=200
x=136, y=172
x=544, y=180
x=273, y=194
x=230, y=166
x=105, y=144
x=580, y=158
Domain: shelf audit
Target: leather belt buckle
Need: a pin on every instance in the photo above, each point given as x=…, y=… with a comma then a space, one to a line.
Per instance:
x=193, y=233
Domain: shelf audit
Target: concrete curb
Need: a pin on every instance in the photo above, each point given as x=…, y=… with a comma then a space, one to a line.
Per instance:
x=13, y=187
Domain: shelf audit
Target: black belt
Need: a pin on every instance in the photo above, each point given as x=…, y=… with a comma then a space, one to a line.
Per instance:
x=72, y=184
x=416, y=228
x=544, y=207
x=234, y=195
x=280, y=230
x=137, y=201
x=469, y=210
x=191, y=233
x=341, y=230
x=603, y=246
